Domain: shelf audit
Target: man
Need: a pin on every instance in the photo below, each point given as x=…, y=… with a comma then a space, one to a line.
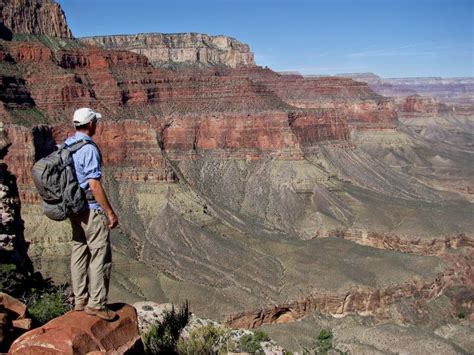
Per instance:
x=91, y=257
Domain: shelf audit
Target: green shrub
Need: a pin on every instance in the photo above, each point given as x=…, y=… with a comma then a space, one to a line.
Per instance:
x=207, y=339
x=11, y=280
x=324, y=341
x=251, y=342
x=163, y=336
x=47, y=306
x=462, y=313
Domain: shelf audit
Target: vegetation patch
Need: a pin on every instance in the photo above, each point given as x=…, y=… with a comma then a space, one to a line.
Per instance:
x=46, y=306
x=163, y=336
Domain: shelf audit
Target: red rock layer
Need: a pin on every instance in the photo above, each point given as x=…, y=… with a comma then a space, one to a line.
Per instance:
x=129, y=148
x=277, y=134
x=38, y=17
x=125, y=85
x=418, y=104
x=21, y=153
x=97, y=59
x=356, y=101
x=29, y=52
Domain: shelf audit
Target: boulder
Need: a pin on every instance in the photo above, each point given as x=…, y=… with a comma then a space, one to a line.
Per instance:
x=150, y=313
x=79, y=333
x=11, y=305
x=12, y=320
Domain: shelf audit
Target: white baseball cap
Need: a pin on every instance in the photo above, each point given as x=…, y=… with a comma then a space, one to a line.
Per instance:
x=85, y=115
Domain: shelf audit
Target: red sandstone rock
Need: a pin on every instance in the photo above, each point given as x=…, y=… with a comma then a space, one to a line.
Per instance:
x=42, y=17
x=21, y=153
x=98, y=59
x=24, y=323
x=129, y=145
x=419, y=104
x=362, y=107
x=79, y=333
x=29, y=52
x=12, y=306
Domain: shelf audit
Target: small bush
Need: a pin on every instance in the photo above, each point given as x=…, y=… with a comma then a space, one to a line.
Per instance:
x=324, y=341
x=208, y=339
x=163, y=336
x=11, y=280
x=47, y=306
x=251, y=343
x=462, y=313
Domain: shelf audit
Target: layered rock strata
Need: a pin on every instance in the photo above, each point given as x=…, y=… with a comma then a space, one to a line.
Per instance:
x=37, y=17
x=362, y=108
x=419, y=104
x=360, y=301
x=404, y=244
x=168, y=49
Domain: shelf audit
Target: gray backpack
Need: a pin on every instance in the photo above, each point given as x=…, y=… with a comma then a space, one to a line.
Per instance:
x=57, y=185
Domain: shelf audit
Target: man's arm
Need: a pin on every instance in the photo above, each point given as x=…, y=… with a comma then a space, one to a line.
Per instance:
x=100, y=196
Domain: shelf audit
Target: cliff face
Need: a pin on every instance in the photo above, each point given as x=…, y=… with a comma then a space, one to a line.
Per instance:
x=418, y=104
x=37, y=17
x=362, y=107
x=180, y=48
x=13, y=247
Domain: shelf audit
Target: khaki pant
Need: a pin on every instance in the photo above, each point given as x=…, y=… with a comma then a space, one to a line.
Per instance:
x=91, y=258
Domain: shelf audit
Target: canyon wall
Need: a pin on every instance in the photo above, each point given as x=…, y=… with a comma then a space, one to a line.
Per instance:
x=37, y=17
x=362, y=107
x=166, y=49
x=455, y=92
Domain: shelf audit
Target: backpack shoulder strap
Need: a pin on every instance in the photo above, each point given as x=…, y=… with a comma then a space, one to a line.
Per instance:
x=74, y=147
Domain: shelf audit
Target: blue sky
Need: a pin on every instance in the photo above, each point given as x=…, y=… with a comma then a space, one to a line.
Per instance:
x=397, y=38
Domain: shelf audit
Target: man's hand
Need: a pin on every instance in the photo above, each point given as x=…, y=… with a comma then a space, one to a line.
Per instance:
x=113, y=220
x=101, y=198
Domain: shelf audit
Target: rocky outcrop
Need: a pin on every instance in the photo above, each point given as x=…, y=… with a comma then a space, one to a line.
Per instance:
x=37, y=17
x=404, y=244
x=77, y=332
x=361, y=301
x=168, y=49
x=13, y=247
x=12, y=320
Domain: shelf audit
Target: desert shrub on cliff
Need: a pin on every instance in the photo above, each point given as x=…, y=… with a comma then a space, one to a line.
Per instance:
x=43, y=307
x=252, y=343
x=324, y=342
x=12, y=282
x=44, y=299
x=163, y=336
x=207, y=339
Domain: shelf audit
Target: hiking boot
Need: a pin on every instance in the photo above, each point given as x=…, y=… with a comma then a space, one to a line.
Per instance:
x=79, y=307
x=104, y=313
